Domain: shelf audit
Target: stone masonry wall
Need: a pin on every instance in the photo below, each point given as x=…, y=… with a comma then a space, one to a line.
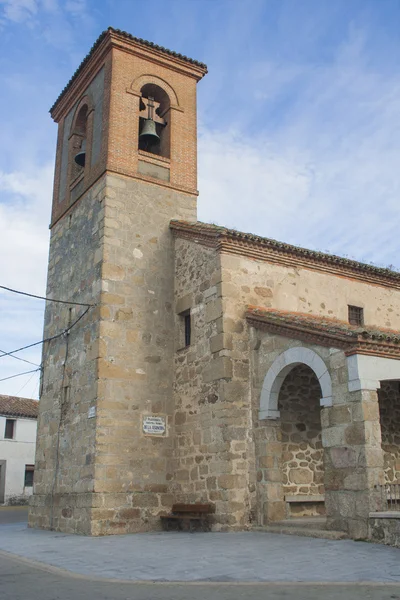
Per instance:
x=135, y=369
x=385, y=531
x=302, y=453
x=276, y=455
x=389, y=409
x=211, y=419
x=306, y=291
x=65, y=451
x=353, y=461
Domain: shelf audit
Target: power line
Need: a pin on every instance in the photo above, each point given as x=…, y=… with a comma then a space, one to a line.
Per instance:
x=43, y=298
x=26, y=383
x=53, y=337
x=4, y=353
x=19, y=374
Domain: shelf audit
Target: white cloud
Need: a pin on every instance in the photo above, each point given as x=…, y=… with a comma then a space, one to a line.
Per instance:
x=24, y=217
x=320, y=170
x=25, y=200
x=19, y=11
x=76, y=7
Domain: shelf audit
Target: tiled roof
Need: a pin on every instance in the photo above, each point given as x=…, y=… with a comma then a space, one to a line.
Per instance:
x=12, y=406
x=128, y=36
x=322, y=324
x=216, y=234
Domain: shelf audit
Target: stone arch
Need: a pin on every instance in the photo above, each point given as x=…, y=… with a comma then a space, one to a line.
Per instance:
x=280, y=368
x=142, y=80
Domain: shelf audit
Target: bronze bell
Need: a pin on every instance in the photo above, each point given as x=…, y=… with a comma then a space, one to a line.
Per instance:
x=80, y=158
x=149, y=133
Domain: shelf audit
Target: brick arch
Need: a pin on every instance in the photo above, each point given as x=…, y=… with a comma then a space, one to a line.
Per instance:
x=280, y=368
x=86, y=100
x=140, y=81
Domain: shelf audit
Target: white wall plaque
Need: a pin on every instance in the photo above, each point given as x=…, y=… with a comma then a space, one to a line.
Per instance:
x=91, y=412
x=153, y=425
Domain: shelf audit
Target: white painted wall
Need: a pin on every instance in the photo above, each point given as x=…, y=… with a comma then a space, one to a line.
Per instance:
x=17, y=453
x=366, y=372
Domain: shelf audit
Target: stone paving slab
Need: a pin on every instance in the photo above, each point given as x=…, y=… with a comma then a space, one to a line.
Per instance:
x=219, y=557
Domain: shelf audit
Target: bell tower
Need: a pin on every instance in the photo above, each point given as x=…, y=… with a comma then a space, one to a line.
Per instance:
x=125, y=166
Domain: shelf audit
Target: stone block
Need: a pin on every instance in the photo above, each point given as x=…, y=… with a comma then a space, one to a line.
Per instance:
x=267, y=462
x=358, y=529
x=233, y=325
x=229, y=482
x=218, y=368
x=355, y=481
x=213, y=310
x=113, y=272
x=233, y=391
x=274, y=491
x=343, y=457
x=355, y=434
x=145, y=500
x=184, y=303
x=339, y=414
x=300, y=476
x=129, y=513
x=325, y=417
x=275, y=511
x=371, y=457
x=263, y=292
x=220, y=342
x=334, y=478
x=334, y=436
x=124, y=314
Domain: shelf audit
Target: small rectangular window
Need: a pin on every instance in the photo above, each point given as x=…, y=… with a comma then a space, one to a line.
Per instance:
x=188, y=329
x=29, y=470
x=356, y=315
x=9, y=432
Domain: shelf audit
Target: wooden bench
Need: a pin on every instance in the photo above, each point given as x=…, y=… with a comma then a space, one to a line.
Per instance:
x=188, y=517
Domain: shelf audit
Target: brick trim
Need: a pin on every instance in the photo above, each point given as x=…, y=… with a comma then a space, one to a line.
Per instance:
x=230, y=241
x=326, y=332
x=112, y=36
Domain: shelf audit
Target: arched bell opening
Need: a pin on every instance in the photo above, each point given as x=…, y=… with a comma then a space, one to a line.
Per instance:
x=79, y=142
x=301, y=437
x=154, y=120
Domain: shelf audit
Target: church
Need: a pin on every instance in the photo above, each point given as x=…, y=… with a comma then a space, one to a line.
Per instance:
x=197, y=363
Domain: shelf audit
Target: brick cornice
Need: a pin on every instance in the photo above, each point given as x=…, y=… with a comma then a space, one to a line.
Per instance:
x=80, y=81
x=230, y=241
x=326, y=332
x=115, y=38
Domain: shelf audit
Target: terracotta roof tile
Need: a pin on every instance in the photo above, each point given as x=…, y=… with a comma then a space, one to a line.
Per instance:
x=129, y=37
x=323, y=324
x=13, y=406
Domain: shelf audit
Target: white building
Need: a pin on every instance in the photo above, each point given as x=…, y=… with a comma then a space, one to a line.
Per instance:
x=18, y=423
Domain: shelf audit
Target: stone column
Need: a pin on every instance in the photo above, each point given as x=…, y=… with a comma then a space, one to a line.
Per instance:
x=270, y=494
x=351, y=438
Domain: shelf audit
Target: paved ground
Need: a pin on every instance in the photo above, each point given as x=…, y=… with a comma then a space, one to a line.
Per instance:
x=13, y=514
x=20, y=579
x=206, y=557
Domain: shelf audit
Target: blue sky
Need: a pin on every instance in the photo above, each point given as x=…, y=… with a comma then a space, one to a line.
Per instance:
x=299, y=126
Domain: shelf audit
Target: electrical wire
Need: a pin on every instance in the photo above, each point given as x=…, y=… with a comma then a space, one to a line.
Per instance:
x=4, y=353
x=43, y=298
x=66, y=331
x=19, y=374
x=26, y=383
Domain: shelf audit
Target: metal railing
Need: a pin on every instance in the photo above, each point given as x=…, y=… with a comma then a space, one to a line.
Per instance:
x=390, y=496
